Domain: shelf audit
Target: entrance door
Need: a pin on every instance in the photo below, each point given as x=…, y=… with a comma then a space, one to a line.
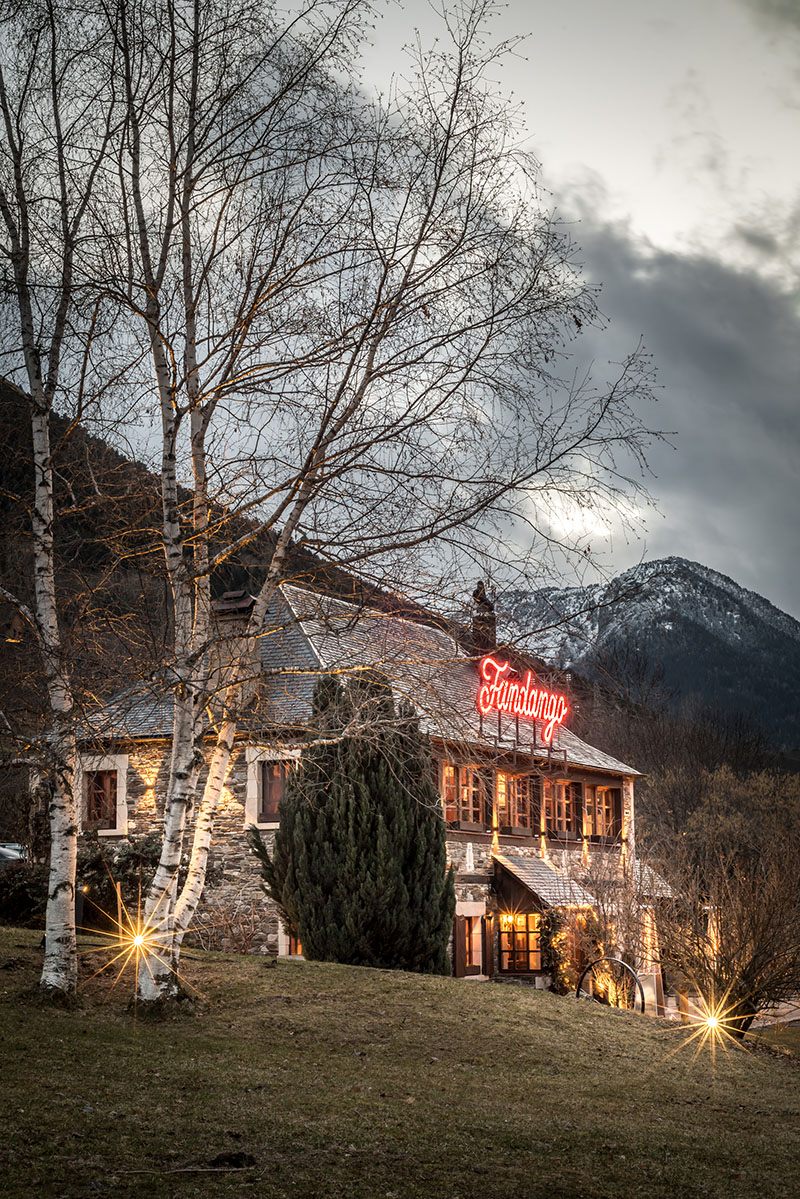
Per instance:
x=467, y=946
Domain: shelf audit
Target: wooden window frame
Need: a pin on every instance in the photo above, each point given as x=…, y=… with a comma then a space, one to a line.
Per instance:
x=289, y=945
x=520, y=944
x=563, y=809
x=464, y=793
x=471, y=798
x=269, y=814
x=99, y=800
x=470, y=943
x=449, y=792
x=518, y=806
x=255, y=755
x=106, y=764
x=471, y=925
x=602, y=824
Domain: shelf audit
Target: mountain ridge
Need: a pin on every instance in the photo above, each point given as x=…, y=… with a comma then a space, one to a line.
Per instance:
x=691, y=630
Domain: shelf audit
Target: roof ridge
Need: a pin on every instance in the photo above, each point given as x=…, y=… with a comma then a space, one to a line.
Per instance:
x=364, y=608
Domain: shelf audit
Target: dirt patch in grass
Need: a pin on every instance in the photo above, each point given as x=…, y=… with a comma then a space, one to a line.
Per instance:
x=315, y=1080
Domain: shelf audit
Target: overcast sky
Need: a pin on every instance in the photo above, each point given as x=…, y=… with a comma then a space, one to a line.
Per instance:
x=669, y=135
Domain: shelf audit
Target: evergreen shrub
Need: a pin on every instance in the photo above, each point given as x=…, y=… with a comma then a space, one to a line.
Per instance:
x=131, y=861
x=359, y=864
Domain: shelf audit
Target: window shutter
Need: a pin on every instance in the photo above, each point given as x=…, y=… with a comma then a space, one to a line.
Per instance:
x=460, y=947
x=259, y=792
x=536, y=784
x=487, y=797
x=584, y=824
x=487, y=945
x=617, y=798
x=576, y=807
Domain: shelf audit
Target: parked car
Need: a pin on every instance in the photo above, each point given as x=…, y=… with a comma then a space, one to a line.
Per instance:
x=9, y=852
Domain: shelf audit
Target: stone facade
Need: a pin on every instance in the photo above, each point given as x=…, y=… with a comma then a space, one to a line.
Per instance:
x=235, y=914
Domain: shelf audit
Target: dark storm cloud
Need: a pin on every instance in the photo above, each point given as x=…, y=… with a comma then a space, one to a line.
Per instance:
x=761, y=242
x=725, y=343
x=771, y=237
x=776, y=12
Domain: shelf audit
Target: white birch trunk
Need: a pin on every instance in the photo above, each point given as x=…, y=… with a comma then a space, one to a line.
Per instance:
x=60, y=971
x=220, y=760
x=203, y=829
x=48, y=165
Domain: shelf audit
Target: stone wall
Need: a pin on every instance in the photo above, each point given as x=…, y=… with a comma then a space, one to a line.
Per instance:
x=234, y=913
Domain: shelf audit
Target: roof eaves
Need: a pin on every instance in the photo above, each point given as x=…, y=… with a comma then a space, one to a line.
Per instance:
x=545, y=882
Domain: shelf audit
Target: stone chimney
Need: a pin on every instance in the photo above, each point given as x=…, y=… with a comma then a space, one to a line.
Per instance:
x=231, y=645
x=484, y=621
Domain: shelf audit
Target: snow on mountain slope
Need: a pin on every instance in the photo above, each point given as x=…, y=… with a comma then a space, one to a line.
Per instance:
x=710, y=638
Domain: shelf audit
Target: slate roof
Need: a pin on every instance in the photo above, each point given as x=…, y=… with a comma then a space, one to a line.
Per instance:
x=649, y=884
x=290, y=669
x=427, y=666
x=139, y=711
x=554, y=889
x=306, y=634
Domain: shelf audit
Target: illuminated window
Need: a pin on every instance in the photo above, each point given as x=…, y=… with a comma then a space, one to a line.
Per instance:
x=561, y=809
x=100, y=799
x=602, y=812
x=272, y=788
x=289, y=944
x=469, y=933
x=470, y=796
x=464, y=791
x=503, y=800
x=450, y=792
x=520, y=951
x=513, y=801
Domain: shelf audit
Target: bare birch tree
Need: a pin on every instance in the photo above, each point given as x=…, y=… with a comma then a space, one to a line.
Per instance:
x=355, y=315
x=56, y=111
x=354, y=312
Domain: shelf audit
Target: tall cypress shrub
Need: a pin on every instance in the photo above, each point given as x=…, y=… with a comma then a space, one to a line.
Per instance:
x=359, y=864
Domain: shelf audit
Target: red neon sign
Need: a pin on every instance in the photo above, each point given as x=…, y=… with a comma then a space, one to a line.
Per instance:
x=509, y=693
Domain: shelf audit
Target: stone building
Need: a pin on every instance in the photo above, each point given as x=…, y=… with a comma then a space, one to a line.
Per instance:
x=533, y=813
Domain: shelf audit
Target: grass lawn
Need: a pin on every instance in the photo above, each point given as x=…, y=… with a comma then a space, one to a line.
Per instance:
x=783, y=1036
x=307, y=1080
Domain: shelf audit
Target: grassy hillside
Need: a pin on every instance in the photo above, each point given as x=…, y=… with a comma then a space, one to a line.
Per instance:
x=318, y=1080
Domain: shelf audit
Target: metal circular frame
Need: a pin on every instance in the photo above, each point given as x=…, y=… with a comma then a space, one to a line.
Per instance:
x=619, y=962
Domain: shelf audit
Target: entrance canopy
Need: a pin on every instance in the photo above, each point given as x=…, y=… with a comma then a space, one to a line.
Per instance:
x=546, y=885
